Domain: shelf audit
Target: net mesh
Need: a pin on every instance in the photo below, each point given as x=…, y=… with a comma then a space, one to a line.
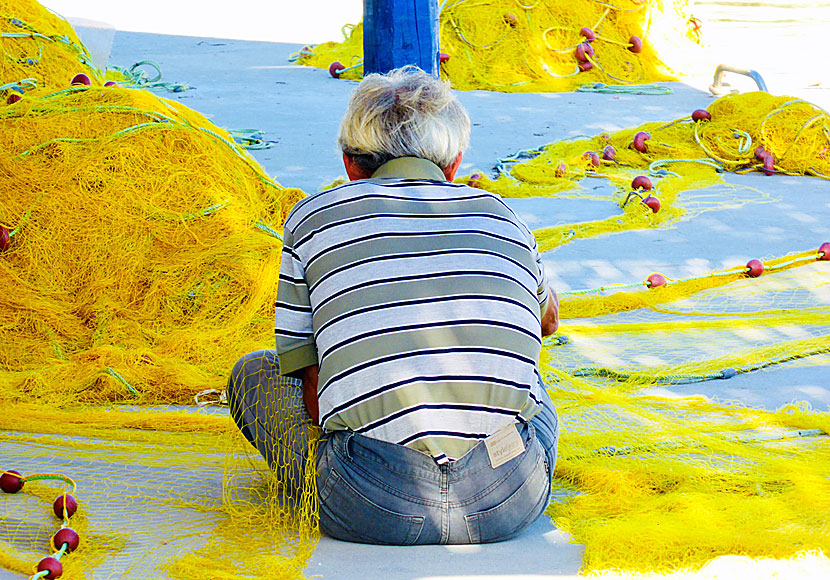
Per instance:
x=511, y=46
x=142, y=262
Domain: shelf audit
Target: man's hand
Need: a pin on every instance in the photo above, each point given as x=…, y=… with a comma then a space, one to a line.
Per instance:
x=309, y=376
x=550, y=321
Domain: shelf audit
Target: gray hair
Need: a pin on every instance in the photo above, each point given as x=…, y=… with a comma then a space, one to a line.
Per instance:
x=403, y=113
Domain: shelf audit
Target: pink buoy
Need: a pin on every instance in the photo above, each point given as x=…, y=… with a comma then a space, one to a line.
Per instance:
x=561, y=169
x=583, y=51
x=110, y=84
x=51, y=565
x=769, y=163
x=701, y=115
x=754, y=268
x=588, y=34
x=66, y=536
x=71, y=505
x=11, y=481
x=760, y=152
x=641, y=182
x=592, y=158
x=13, y=98
x=656, y=280
x=5, y=244
x=335, y=69
x=609, y=153
x=824, y=251
x=585, y=66
x=636, y=44
x=511, y=20
x=475, y=180
x=640, y=141
x=653, y=203
x=80, y=79
x=443, y=57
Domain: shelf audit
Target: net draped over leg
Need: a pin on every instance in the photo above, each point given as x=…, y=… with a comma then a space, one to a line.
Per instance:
x=269, y=410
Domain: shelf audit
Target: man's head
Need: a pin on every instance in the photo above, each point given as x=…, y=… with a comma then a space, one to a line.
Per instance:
x=403, y=113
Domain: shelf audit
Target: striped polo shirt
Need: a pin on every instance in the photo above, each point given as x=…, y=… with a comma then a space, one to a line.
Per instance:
x=421, y=301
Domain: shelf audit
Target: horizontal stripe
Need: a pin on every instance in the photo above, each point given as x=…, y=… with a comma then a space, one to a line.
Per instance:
x=424, y=353
x=437, y=406
x=416, y=255
x=485, y=381
x=459, y=435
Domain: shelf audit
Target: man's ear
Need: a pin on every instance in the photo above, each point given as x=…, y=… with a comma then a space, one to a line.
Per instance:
x=449, y=172
x=353, y=171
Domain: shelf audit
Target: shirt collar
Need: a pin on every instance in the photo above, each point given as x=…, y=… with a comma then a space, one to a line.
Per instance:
x=409, y=168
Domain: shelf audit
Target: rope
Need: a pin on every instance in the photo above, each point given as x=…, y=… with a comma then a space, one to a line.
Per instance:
x=137, y=77
x=649, y=89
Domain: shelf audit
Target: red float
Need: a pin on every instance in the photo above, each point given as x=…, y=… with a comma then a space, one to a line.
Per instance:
x=51, y=565
x=66, y=536
x=636, y=44
x=583, y=51
x=592, y=157
x=475, y=180
x=80, y=79
x=701, y=115
x=71, y=505
x=561, y=169
x=760, y=152
x=13, y=98
x=336, y=68
x=640, y=141
x=110, y=84
x=653, y=203
x=656, y=280
x=585, y=66
x=588, y=34
x=824, y=250
x=5, y=239
x=443, y=57
x=511, y=20
x=609, y=153
x=641, y=182
x=769, y=163
x=11, y=481
x=754, y=268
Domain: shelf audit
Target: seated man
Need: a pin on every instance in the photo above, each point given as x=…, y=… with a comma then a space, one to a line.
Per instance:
x=412, y=311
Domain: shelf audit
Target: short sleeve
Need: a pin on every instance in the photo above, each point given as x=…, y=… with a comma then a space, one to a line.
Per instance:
x=293, y=325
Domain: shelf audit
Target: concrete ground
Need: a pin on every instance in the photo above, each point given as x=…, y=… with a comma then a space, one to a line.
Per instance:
x=241, y=84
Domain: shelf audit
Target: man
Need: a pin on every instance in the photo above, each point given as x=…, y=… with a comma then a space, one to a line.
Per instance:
x=412, y=310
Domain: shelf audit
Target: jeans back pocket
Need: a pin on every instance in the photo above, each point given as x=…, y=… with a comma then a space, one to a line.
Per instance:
x=347, y=514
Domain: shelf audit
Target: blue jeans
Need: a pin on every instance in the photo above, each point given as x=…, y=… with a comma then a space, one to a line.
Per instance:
x=376, y=492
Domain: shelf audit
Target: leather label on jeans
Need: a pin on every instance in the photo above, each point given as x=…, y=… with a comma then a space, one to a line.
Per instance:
x=504, y=445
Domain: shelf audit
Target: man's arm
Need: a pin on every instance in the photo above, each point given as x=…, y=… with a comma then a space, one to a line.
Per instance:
x=310, y=376
x=550, y=320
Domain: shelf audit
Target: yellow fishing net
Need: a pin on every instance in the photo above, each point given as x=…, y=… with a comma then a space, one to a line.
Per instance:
x=548, y=45
x=139, y=254
x=39, y=50
x=738, y=133
x=139, y=249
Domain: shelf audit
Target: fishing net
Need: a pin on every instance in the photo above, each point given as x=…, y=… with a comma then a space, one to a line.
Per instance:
x=140, y=255
x=741, y=133
x=39, y=50
x=551, y=45
x=656, y=476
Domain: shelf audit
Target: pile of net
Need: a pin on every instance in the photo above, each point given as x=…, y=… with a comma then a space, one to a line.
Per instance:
x=40, y=50
x=139, y=249
x=742, y=133
x=549, y=45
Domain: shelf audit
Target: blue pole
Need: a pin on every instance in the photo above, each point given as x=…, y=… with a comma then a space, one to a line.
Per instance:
x=400, y=32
